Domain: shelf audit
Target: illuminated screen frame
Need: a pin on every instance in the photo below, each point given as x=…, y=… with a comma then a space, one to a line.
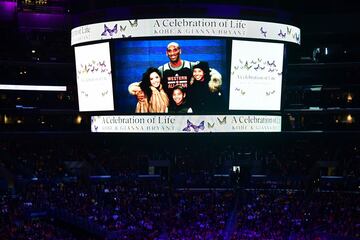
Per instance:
x=165, y=28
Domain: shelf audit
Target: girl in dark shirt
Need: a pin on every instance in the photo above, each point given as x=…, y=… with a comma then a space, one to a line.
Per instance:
x=205, y=90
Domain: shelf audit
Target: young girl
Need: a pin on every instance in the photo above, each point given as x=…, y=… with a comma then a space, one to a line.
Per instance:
x=178, y=103
x=155, y=99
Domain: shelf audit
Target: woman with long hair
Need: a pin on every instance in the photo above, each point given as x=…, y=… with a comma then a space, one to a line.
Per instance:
x=155, y=99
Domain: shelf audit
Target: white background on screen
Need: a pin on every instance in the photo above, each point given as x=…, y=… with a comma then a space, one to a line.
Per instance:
x=256, y=75
x=94, y=78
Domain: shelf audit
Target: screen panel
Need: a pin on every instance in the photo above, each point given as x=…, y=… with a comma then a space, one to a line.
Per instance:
x=133, y=58
x=251, y=81
x=185, y=123
x=94, y=77
x=256, y=75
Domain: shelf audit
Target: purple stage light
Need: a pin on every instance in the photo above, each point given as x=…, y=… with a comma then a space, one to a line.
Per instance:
x=7, y=10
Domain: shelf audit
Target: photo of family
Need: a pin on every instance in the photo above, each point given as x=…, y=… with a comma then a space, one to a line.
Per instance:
x=174, y=77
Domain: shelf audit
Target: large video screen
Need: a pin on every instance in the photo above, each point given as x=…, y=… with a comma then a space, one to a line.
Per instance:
x=177, y=75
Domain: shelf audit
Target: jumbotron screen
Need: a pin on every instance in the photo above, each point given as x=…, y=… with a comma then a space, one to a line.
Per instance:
x=179, y=83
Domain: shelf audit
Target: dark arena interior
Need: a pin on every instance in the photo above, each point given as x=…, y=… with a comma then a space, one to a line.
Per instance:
x=179, y=120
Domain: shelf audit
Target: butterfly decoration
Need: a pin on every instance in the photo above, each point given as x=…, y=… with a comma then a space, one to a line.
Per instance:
x=124, y=36
x=263, y=32
x=247, y=67
x=253, y=62
x=109, y=31
x=236, y=67
x=281, y=34
x=133, y=23
x=288, y=30
x=280, y=73
x=196, y=128
x=84, y=93
x=86, y=69
x=259, y=60
x=201, y=126
x=122, y=29
x=104, y=93
x=211, y=125
x=271, y=64
x=268, y=93
x=93, y=121
x=102, y=64
x=223, y=121
x=188, y=127
x=297, y=37
x=93, y=67
x=257, y=67
x=242, y=92
x=271, y=70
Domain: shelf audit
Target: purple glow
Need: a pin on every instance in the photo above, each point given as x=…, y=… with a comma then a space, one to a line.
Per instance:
x=43, y=21
x=7, y=10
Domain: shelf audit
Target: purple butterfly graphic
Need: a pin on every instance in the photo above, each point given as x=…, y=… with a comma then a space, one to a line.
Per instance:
x=109, y=31
x=196, y=128
x=188, y=127
x=271, y=64
x=200, y=127
x=263, y=32
x=281, y=34
x=102, y=64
